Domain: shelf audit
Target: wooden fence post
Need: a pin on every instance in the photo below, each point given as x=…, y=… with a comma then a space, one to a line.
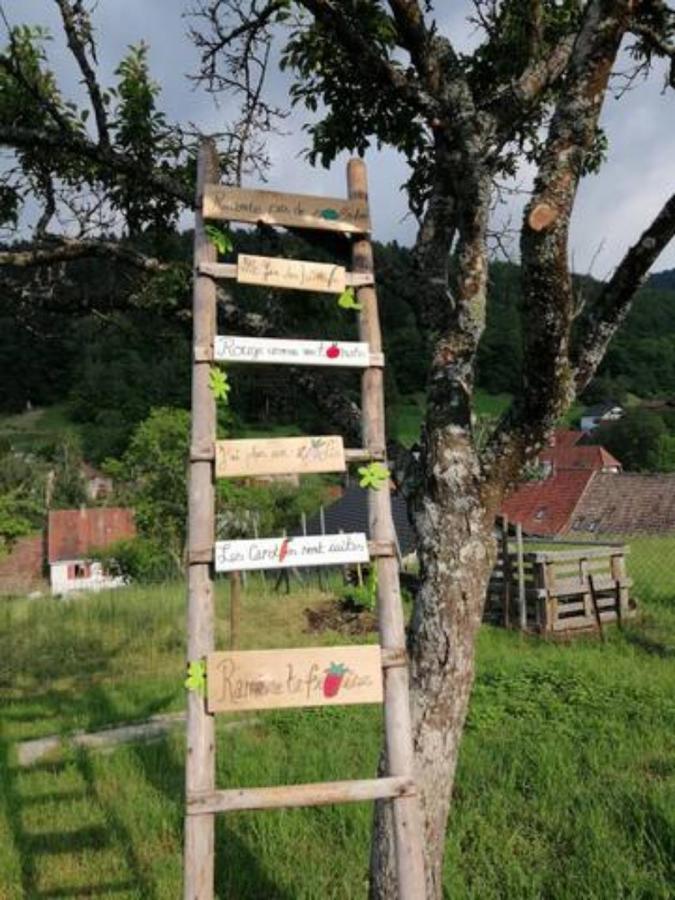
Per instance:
x=200, y=760
x=522, y=596
x=408, y=825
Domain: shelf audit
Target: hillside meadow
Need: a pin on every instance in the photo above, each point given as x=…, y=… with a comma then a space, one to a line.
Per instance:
x=566, y=783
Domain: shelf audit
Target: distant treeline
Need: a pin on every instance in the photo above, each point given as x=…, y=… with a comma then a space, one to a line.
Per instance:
x=114, y=350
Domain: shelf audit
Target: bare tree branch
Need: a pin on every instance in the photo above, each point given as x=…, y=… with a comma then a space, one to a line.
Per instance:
x=614, y=303
x=106, y=158
x=77, y=26
x=60, y=249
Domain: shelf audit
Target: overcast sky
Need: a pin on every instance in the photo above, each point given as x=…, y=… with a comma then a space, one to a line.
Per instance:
x=612, y=209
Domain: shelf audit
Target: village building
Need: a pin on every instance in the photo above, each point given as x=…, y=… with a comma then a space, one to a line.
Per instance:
x=599, y=414
x=72, y=536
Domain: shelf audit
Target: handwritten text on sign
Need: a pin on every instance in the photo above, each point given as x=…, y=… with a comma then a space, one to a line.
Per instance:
x=279, y=456
x=280, y=351
x=287, y=553
x=290, y=273
x=276, y=679
x=299, y=210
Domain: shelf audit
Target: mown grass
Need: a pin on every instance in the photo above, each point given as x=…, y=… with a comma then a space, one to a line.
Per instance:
x=565, y=788
x=408, y=414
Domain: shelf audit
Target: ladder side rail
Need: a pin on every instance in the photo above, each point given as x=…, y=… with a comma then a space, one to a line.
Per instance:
x=407, y=815
x=200, y=758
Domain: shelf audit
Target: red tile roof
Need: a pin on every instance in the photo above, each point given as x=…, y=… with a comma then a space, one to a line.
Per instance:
x=546, y=507
x=73, y=533
x=574, y=457
x=627, y=503
x=565, y=437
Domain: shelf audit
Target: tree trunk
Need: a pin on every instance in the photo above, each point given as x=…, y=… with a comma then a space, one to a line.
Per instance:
x=453, y=517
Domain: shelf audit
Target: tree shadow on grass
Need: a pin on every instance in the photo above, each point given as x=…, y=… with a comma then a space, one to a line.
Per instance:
x=239, y=874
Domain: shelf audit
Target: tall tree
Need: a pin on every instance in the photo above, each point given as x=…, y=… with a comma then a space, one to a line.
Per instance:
x=532, y=90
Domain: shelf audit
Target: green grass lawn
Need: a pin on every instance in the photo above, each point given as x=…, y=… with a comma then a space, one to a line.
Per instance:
x=31, y=430
x=565, y=788
x=409, y=412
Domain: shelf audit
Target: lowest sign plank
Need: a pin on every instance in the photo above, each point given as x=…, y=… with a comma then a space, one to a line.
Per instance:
x=279, y=456
x=277, y=679
x=291, y=552
x=291, y=352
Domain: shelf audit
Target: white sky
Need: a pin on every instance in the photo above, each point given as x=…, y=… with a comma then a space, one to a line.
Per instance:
x=612, y=209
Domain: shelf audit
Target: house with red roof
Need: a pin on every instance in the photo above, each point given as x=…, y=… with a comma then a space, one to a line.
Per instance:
x=72, y=536
x=565, y=452
x=547, y=506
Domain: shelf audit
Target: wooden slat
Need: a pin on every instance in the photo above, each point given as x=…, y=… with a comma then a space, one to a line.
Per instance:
x=294, y=210
x=231, y=270
x=407, y=814
x=561, y=555
x=289, y=796
x=294, y=678
x=239, y=350
x=280, y=456
x=565, y=586
x=363, y=455
x=290, y=553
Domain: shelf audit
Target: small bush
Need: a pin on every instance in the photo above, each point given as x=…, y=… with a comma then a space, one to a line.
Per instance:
x=139, y=559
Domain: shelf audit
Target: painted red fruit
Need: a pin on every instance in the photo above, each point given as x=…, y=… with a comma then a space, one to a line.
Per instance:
x=283, y=550
x=333, y=351
x=334, y=675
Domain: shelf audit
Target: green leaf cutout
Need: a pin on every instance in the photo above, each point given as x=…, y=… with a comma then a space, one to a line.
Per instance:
x=219, y=384
x=347, y=299
x=373, y=476
x=196, y=678
x=221, y=240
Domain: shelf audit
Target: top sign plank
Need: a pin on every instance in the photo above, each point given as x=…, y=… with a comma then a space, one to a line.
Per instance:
x=292, y=210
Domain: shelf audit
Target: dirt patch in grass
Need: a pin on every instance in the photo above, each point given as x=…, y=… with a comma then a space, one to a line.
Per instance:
x=341, y=616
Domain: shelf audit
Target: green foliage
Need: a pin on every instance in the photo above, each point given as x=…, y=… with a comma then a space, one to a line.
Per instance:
x=375, y=476
x=196, y=679
x=274, y=507
x=134, y=363
x=221, y=239
x=141, y=560
x=640, y=441
x=69, y=489
x=219, y=384
x=153, y=474
x=143, y=133
x=363, y=595
x=347, y=300
x=22, y=496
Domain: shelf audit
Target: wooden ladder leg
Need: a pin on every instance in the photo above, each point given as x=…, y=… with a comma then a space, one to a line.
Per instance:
x=398, y=725
x=200, y=760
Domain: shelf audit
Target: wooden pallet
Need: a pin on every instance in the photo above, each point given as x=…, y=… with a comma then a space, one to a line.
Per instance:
x=397, y=785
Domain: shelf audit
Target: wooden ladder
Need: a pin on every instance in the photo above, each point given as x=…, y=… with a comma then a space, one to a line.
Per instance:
x=203, y=800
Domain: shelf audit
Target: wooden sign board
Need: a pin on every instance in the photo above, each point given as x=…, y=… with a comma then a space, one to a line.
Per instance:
x=289, y=553
x=294, y=210
x=282, y=351
x=280, y=456
x=298, y=274
x=282, y=679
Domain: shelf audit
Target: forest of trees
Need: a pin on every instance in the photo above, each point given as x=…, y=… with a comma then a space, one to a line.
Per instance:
x=112, y=368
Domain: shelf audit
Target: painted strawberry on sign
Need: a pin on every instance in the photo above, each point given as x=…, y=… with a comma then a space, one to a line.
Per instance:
x=333, y=351
x=333, y=680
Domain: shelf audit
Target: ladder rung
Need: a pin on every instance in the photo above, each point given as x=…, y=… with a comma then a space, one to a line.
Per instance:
x=363, y=454
x=320, y=794
x=381, y=548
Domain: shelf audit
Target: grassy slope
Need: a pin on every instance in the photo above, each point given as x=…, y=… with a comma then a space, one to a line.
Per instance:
x=566, y=784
